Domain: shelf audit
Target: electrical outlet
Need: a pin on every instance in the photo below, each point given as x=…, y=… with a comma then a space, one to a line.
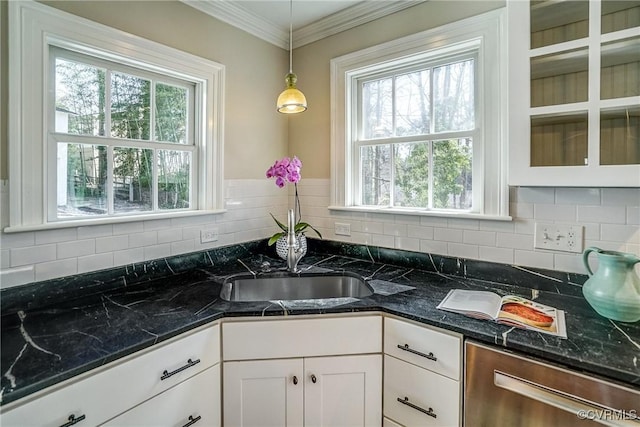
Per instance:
x=210, y=235
x=559, y=237
x=342, y=229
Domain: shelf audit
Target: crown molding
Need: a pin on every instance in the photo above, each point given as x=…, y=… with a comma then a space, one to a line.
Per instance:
x=360, y=13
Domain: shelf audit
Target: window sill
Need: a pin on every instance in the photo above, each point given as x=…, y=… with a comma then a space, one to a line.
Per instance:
x=419, y=212
x=109, y=220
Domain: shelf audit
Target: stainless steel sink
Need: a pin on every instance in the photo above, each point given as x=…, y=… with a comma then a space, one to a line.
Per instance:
x=282, y=286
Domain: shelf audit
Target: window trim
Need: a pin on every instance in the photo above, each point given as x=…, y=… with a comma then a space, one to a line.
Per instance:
x=487, y=29
x=32, y=28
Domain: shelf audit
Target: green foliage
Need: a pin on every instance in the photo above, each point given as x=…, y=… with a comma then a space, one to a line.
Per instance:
x=300, y=227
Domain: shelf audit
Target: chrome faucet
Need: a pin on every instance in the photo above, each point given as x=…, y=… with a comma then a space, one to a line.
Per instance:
x=294, y=252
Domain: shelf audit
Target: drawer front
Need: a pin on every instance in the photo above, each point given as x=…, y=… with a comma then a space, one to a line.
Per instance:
x=386, y=422
x=426, y=398
x=114, y=390
x=301, y=337
x=194, y=402
x=437, y=351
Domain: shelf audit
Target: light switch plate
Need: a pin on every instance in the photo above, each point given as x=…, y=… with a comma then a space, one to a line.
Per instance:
x=559, y=237
x=210, y=235
x=342, y=229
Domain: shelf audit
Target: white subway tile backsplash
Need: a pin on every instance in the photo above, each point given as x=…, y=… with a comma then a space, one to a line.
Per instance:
x=514, y=241
x=548, y=212
x=483, y=238
x=93, y=231
x=147, y=238
x=76, y=248
x=447, y=234
x=5, y=258
x=53, y=269
x=382, y=240
x=611, y=220
x=394, y=229
x=493, y=254
x=95, y=262
x=533, y=259
x=16, y=276
x=157, y=224
x=608, y=232
x=602, y=214
x=44, y=237
x=170, y=235
x=112, y=243
x=32, y=255
x=157, y=251
x=633, y=215
x=578, y=196
x=462, y=251
x=535, y=195
x=407, y=243
x=621, y=196
x=433, y=247
x=17, y=240
x=420, y=232
x=128, y=256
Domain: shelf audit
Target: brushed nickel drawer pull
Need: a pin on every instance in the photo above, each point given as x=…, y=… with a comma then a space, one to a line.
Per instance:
x=189, y=364
x=192, y=420
x=73, y=420
x=405, y=401
x=429, y=356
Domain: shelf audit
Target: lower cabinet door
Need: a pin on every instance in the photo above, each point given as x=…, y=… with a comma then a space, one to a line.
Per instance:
x=194, y=402
x=417, y=397
x=343, y=391
x=263, y=393
x=386, y=422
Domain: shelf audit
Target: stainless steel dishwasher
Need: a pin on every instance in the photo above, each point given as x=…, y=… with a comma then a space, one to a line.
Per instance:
x=503, y=389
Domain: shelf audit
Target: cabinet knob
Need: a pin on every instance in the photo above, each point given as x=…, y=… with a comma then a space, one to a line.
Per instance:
x=313, y=379
x=295, y=380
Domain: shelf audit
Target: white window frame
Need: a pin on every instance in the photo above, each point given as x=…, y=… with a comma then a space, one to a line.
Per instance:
x=483, y=33
x=33, y=28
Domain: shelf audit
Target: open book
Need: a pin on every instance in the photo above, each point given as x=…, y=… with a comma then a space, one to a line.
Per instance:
x=510, y=310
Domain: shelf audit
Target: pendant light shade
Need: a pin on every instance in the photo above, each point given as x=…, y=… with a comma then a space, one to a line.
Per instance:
x=291, y=100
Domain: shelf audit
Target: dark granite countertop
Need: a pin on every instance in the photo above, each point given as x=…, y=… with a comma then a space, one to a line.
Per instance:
x=54, y=330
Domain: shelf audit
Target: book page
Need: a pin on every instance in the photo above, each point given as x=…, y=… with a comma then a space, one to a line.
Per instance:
x=469, y=302
x=531, y=315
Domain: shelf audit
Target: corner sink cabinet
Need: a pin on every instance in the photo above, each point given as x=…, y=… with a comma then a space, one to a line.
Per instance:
x=303, y=372
x=172, y=383
x=574, y=84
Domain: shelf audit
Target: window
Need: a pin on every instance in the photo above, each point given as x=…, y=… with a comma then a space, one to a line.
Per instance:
x=106, y=126
x=419, y=124
x=123, y=139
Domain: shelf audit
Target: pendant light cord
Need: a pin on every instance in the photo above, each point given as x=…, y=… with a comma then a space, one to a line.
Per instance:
x=290, y=35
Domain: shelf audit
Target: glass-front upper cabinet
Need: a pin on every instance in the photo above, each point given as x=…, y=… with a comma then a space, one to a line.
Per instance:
x=574, y=84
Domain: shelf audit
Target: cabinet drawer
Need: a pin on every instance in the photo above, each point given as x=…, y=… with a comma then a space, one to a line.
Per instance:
x=417, y=397
x=301, y=337
x=195, y=401
x=422, y=346
x=113, y=390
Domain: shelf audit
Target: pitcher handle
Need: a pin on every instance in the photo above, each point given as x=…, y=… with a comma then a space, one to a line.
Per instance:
x=585, y=258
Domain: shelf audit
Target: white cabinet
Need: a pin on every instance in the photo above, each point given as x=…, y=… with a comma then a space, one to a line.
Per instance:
x=99, y=395
x=194, y=402
x=311, y=372
x=422, y=368
x=574, y=84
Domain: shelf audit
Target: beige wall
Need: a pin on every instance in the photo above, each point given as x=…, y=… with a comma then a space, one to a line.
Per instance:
x=309, y=133
x=255, y=134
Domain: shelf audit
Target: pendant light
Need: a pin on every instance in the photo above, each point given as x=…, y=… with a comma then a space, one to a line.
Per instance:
x=291, y=100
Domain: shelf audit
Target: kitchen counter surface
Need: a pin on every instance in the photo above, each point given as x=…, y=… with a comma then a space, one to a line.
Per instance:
x=55, y=330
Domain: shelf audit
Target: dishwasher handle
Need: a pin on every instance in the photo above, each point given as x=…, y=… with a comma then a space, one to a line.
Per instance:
x=583, y=409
